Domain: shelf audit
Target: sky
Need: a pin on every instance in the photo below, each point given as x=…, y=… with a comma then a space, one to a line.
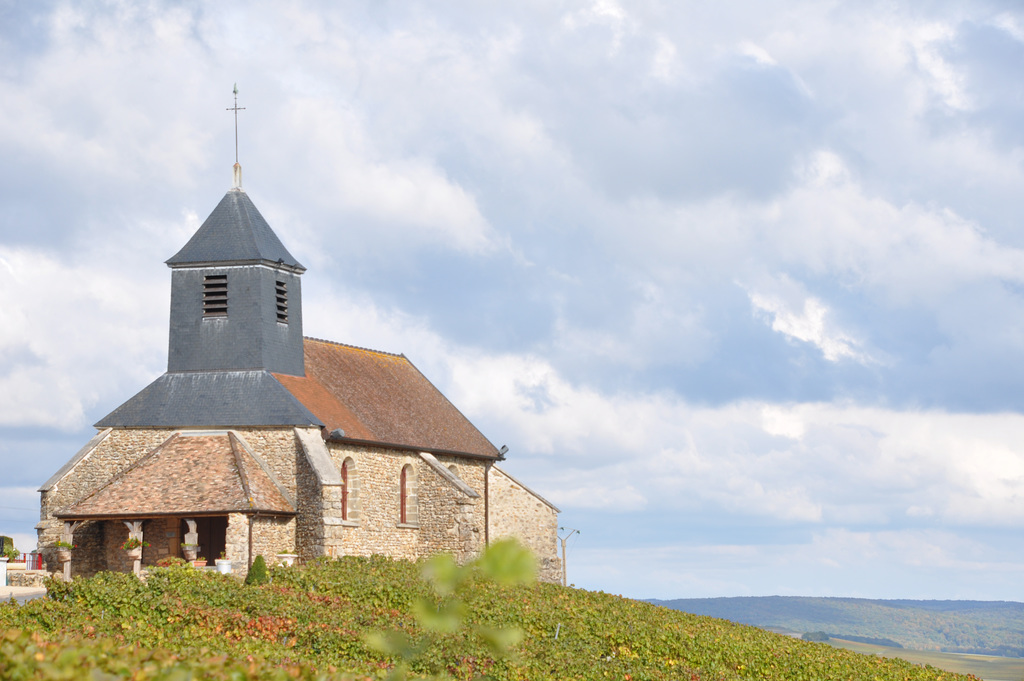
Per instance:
x=739, y=284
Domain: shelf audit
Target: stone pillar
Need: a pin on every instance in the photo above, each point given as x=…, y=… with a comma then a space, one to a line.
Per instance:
x=68, y=537
x=236, y=542
x=135, y=532
x=191, y=541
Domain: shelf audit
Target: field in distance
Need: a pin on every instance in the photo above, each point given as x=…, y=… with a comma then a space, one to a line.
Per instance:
x=987, y=667
x=974, y=627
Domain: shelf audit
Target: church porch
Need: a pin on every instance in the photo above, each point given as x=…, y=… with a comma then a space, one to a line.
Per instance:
x=205, y=490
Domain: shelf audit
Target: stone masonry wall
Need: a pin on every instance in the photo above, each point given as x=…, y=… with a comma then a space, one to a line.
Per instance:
x=90, y=556
x=517, y=512
x=310, y=540
x=280, y=450
x=441, y=517
x=120, y=449
x=271, y=536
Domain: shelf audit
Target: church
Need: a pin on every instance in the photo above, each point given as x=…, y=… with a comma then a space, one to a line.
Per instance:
x=260, y=441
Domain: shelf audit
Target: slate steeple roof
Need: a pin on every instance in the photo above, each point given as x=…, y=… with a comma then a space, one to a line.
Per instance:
x=235, y=232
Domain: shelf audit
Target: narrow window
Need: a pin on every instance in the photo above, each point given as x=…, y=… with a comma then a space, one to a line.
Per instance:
x=215, y=295
x=344, y=490
x=282, y=302
x=403, y=516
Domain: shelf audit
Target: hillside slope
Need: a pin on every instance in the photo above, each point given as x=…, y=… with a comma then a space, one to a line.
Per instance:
x=314, y=620
x=987, y=627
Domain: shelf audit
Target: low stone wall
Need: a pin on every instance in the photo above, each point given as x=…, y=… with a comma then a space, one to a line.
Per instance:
x=30, y=578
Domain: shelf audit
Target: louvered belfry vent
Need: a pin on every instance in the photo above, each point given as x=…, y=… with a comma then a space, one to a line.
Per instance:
x=215, y=295
x=282, y=302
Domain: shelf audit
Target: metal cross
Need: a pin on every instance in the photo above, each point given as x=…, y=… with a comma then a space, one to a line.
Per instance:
x=236, y=109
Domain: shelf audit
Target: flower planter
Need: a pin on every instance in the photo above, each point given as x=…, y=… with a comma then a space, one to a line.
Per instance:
x=223, y=566
x=63, y=555
x=190, y=552
x=200, y=563
x=135, y=554
x=287, y=559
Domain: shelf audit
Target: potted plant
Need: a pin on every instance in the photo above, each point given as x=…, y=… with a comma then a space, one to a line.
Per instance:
x=199, y=562
x=190, y=551
x=12, y=554
x=134, y=547
x=223, y=564
x=64, y=550
x=287, y=559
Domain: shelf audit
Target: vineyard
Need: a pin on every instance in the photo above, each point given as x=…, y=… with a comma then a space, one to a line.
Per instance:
x=358, y=618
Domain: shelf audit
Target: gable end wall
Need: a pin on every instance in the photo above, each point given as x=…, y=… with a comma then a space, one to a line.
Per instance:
x=517, y=512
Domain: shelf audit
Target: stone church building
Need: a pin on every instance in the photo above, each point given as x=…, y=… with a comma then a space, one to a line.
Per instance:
x=259, y=441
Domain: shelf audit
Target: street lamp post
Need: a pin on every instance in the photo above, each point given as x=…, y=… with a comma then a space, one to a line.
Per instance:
x=563, y=540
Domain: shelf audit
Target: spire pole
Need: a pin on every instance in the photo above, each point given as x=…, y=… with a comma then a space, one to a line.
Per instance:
x=237, y=170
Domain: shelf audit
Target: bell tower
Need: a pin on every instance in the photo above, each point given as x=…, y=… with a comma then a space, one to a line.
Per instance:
x=236, y=299
x=236, y=320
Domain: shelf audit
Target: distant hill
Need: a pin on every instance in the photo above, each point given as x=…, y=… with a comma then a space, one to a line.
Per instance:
x=983, y=627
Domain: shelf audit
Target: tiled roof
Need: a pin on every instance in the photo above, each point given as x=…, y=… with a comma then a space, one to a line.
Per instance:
x=380, y=397
x=234, y=232
x=197, y=474
x=211, y=399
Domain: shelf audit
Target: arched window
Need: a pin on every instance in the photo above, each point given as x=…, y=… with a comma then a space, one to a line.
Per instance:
x=349, y=490
x=403, y=514
x=408, y=505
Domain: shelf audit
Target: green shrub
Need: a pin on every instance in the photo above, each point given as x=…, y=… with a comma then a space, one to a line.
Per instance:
x=258, y=572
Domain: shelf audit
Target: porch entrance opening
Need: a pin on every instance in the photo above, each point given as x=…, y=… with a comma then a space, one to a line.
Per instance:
x=212, y=533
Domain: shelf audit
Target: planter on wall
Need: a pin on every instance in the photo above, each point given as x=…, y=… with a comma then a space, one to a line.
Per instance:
x=135, y=554
x=63, y=555
x=224, y=566
x=287, y=559
x=201, y=562
x=190, y=552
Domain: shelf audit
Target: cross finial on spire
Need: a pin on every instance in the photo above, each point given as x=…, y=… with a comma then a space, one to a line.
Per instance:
x=236, y=109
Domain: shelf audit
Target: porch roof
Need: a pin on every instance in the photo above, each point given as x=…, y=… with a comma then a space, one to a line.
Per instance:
x=189, y=474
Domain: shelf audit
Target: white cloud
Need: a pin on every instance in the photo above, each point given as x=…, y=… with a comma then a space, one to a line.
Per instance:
x=664, y=65
x=601, y=12
x=944, y=78
x=757, y=53
x=19, y=508
x=778, y=420
x=809, y=325
x=64, y=338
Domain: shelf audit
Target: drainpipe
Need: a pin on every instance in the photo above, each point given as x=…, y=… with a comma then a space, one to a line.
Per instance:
x=252, y=519
x=487, y=504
